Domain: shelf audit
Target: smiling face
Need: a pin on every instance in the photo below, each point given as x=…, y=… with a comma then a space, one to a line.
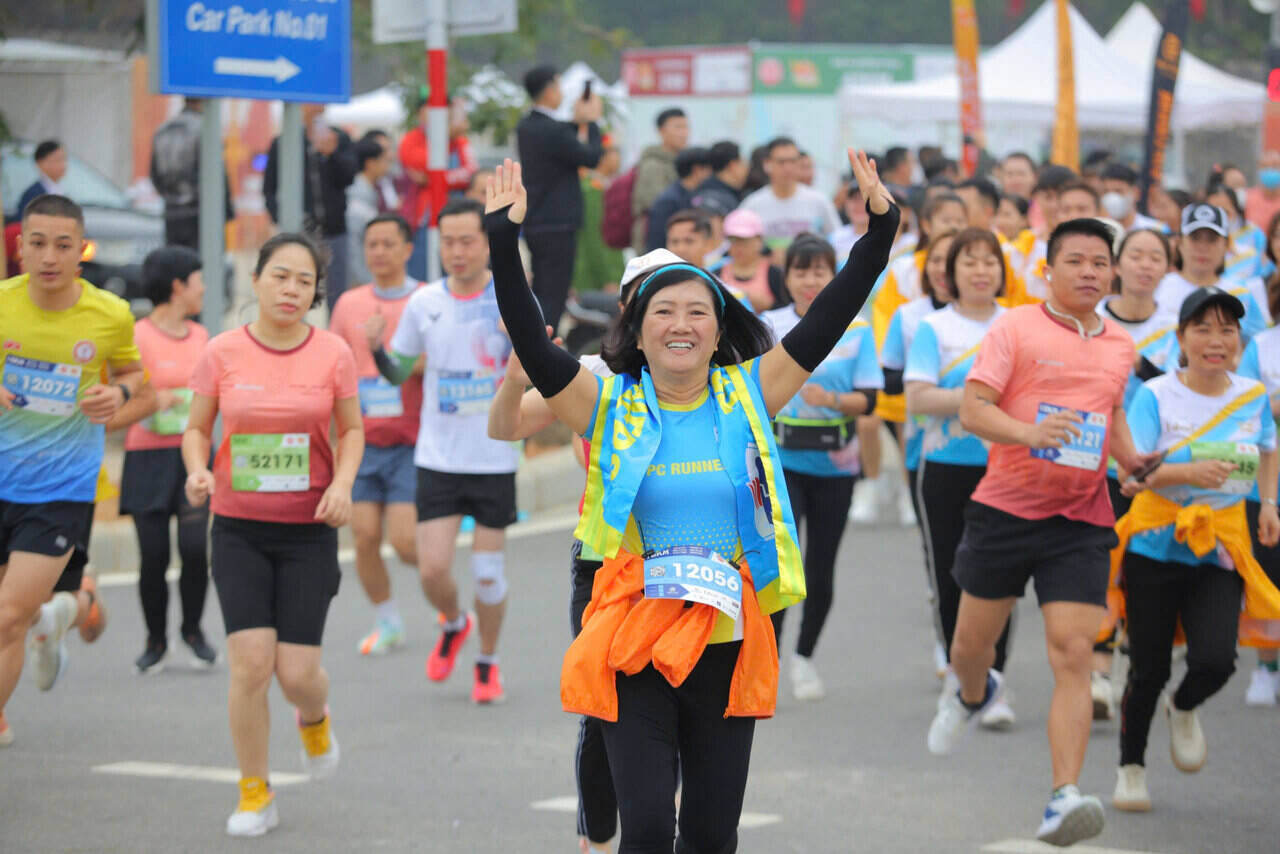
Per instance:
x=51, y=248
x=1081, y=272
x=1142, y=263
x=680, y=332
x=977, y=274
x=286, y=287
x=805, y=283
x=1211, y=341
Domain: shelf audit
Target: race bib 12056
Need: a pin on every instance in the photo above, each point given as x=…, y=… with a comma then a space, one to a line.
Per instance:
x=1081, y=452
x=49, y=388
x=271, y=462
x=693, y=574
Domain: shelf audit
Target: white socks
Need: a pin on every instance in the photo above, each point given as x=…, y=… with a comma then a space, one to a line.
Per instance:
x=389, y=613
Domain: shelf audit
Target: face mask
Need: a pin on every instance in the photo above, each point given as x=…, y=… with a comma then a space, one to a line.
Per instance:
x=1117, y=205
x=1269, y=178
x=1242, y=196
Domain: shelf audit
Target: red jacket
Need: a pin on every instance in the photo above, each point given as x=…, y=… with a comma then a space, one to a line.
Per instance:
x=413, y=155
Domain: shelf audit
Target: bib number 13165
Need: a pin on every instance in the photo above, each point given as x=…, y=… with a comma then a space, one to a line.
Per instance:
x=693, y=574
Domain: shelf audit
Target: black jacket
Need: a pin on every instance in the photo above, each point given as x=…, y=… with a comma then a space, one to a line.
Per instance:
x=716, y=195
x=550, y=155
x=331, y=175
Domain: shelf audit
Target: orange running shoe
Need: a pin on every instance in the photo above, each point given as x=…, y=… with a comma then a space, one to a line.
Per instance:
x=445, y=653
x=94, y=622
x=6, y=732
x=488, y=685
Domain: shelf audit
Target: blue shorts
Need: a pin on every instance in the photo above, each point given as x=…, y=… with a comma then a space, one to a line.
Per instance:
x=386, y=476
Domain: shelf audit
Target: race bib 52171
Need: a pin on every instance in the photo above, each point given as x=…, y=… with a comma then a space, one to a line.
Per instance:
x=1081, y=452
x=694, y=574
x=271, y=462
x=49, y=388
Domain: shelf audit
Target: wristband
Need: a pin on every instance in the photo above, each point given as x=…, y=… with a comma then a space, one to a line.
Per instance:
x=1270, y=501
x=124, y=390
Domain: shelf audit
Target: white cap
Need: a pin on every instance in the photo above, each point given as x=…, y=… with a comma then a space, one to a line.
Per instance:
x=647, y=263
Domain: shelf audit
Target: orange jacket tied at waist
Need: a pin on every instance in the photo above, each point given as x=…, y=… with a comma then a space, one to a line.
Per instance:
x=623, y=631
x=1202, y=528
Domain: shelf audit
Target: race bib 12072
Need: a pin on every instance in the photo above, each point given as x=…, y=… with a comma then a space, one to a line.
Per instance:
x=49, y=388
x=693, y=574
x=271, y=462
x=1081, y=452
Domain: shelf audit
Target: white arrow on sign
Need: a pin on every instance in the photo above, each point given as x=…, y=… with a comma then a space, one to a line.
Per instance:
x=279, y=68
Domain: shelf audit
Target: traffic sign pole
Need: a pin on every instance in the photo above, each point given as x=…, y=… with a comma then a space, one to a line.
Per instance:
x=437, y=129
x=212, y=216
x=289, y=150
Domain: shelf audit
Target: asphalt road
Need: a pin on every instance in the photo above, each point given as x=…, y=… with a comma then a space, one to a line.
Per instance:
x=424, y=770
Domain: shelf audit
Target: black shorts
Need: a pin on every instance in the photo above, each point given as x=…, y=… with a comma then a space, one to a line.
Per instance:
x=488, y=498
x=153, y=481
x=273, y=575
x=1069, y=560
x=73, y=575
x=52, y=528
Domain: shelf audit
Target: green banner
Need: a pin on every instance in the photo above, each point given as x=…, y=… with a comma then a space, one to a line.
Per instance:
x=823, y=70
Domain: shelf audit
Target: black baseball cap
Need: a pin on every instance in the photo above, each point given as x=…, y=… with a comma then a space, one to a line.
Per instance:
x=1201, y=298
x=1201, y=215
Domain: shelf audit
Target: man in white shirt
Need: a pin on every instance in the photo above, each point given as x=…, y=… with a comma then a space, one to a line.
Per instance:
x=786, y=206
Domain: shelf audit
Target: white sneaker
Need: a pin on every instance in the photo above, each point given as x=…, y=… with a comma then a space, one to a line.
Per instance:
x=320, y=752
x=1071, y=817
x=950, y=685
x=1263, y=686
x=806, y=685
x=256, y=813
x=48, y=652
x=1186, y=739
x=866, y=503
x=1103, y=696
x=953, y=718
x=1000, y=717
x=940, y=668
x=1131, y=793
x=906, y=511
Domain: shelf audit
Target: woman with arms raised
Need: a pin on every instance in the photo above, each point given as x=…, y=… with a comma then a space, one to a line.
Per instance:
x=687, y=502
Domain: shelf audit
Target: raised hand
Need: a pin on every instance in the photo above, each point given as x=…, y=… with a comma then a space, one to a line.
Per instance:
x=506, y=188
x=873, y=191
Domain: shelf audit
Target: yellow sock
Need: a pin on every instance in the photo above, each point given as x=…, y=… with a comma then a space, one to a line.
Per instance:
x=255, y=794
x=315, y=737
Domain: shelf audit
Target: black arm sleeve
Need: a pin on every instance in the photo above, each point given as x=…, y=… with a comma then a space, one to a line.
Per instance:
x=1147, y=371
x=550, y=369
x=893, y=381
x=870, y=395
x=834, y=309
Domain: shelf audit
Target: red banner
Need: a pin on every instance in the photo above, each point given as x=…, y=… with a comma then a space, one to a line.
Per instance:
x=964, y=26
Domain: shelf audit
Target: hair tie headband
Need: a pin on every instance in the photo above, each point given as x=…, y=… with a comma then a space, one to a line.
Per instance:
x=700, y=273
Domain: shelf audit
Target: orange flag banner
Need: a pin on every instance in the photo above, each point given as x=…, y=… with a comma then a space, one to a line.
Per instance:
x=964, y=26
x=1066, y=136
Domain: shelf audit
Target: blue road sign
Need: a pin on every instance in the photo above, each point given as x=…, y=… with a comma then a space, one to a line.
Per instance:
x=291, y=50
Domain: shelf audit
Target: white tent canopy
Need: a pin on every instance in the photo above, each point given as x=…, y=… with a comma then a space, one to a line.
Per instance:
x=1018, y=85
x=382, y=108
x=1232, y=100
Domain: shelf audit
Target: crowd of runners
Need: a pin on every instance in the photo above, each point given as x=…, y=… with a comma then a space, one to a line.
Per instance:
x=1084, y=398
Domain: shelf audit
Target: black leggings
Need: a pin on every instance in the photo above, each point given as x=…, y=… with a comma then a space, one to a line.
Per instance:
x=153, y=544
x=597, y=804
x=1157, y=595
x=663, y=731
x=822, y=504
x=944, y=493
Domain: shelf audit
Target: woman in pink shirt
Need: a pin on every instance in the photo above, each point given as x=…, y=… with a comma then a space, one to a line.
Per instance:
x=279, y=494
x=151, y=489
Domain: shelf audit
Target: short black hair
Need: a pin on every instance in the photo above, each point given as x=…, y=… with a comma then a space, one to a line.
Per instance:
x=1023, y=206
x=1095, y=160
x=894, y=157
x=51, y=204
x=1120, y=172
x=538, y=78
x=689, y=159
x=723, y=153
x=985, y=188
x=400, y=222
x=1088, y=226
x=367, y=149
x=1020, y=155
x=669, y=113
x=1053, y=177
x=162, y=266
x=807, y=249
x=1079, y=187
x=698, y=217
x=44, y=149
x=778, y=142
x=973, y=236
x=319, y=258
x=1228, y=193
x=459, y=207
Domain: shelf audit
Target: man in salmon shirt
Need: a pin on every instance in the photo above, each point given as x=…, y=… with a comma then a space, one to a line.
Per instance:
x=1047, y=389
x=384, y=489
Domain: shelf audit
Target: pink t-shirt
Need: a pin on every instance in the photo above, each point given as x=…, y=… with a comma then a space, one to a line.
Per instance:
x=1258, y=209
x=169, y=362
x=1030, y=359
x=353, y=308
x=264, y=391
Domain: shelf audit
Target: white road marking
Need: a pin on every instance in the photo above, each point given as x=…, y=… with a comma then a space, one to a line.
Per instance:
x=558, y=521
x=1031, y=846
x=202, y=773
x=569, y=803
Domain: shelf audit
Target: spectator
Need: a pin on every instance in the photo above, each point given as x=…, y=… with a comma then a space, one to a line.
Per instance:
x=1120, y=198
x=387, y=185
x=51, y=163
x=460, y=166
x=329, y=166
x=693, y=166
x=365, y=201
x=1263, y=201
x=786, y=206
x=689, y=236
x=748, y=268
x=897, y=168
x=722, y=191
x=175, y=173
x=805, y=166
x=551, y=152
x=597, y=265
x=655, y=171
